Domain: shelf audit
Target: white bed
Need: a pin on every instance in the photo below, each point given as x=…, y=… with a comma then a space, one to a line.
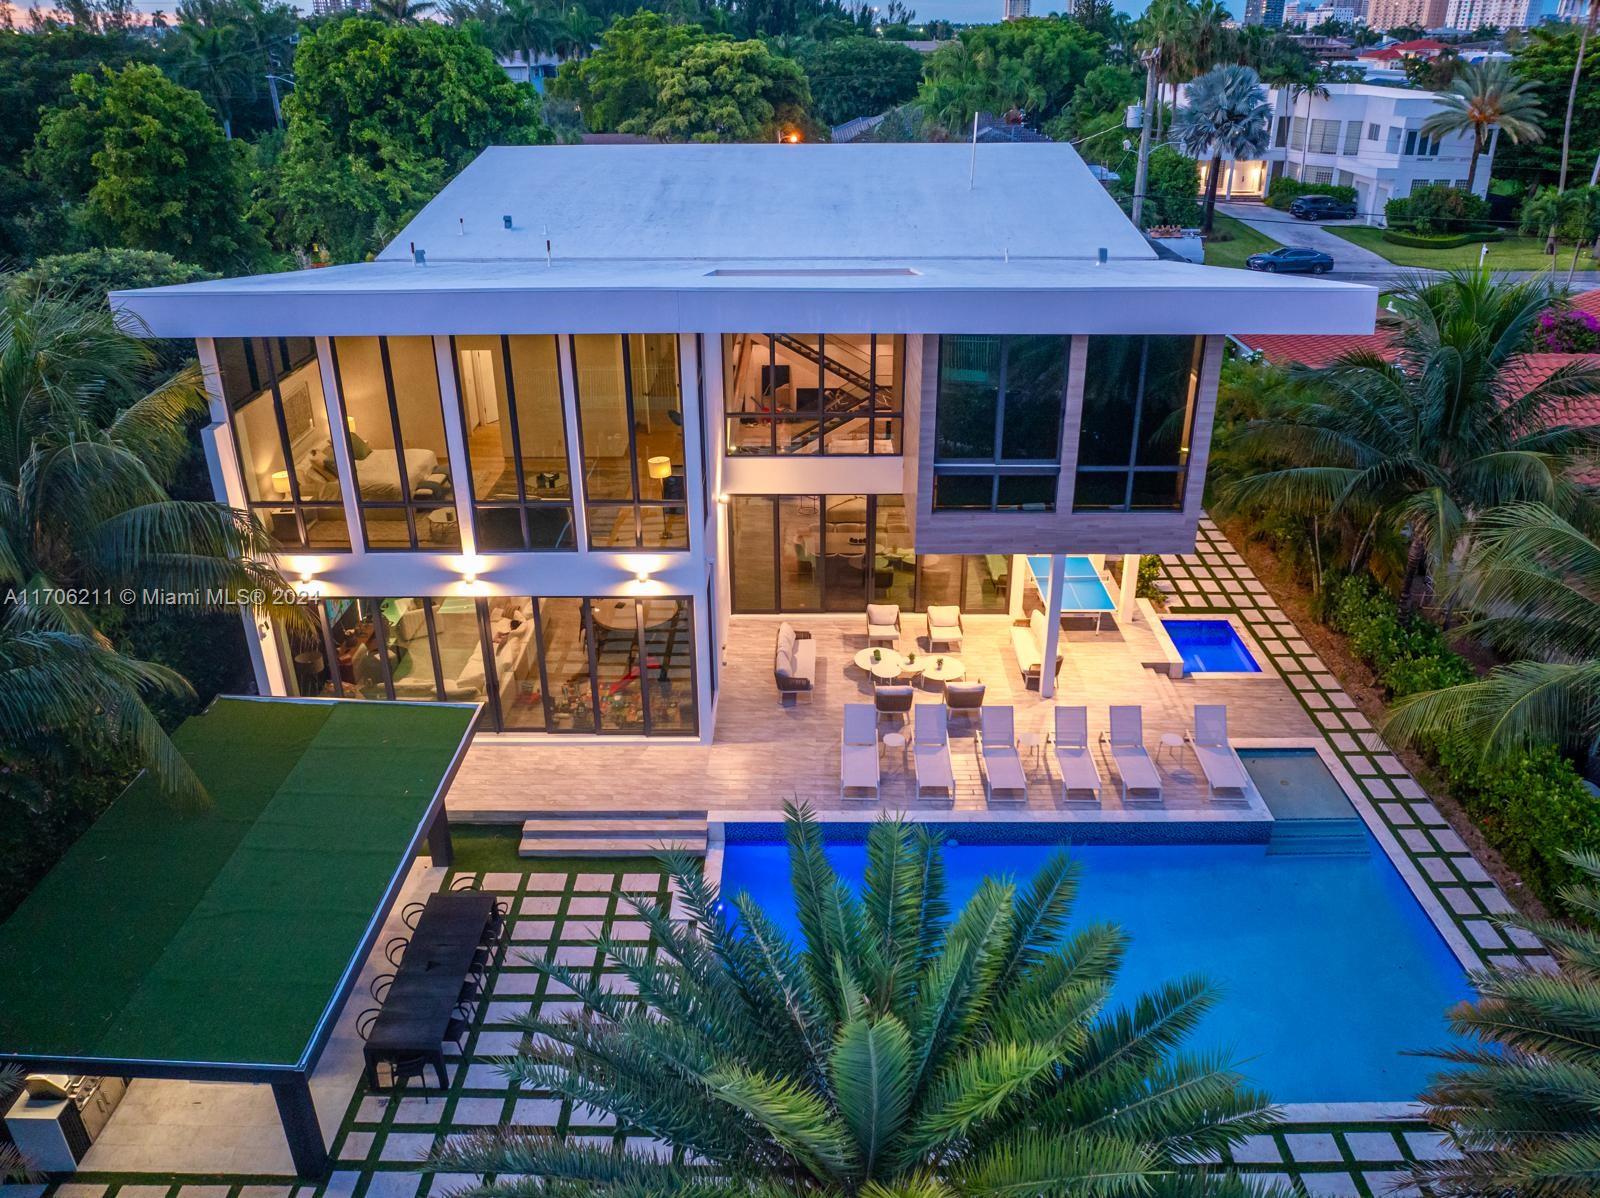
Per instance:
x=378, y=476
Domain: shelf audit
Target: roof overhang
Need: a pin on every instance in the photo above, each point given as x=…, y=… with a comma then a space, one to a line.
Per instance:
x=926, y=296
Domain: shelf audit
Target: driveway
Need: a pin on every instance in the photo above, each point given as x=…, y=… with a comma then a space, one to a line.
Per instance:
x=1349, y=260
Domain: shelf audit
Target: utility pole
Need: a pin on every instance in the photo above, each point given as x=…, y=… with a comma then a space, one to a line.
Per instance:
x=1149, y=59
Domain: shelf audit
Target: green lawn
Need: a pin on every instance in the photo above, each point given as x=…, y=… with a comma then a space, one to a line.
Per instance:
x=1241, y=241
x=1514, y=253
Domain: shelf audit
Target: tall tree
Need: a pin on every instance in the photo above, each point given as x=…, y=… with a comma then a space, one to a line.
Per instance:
x=213, y=63
x=617, y=82
x=525, y=27
x=1591, y=16
x=1033, y=65
x=1227, y=116
x=152, y=168
x=1413, y=446
x=890, y=1050
x=722, y=90
x=1307, y=83
x=1484, y=97
x=1546, y=58
x=1519, y=1101
x=859, y=76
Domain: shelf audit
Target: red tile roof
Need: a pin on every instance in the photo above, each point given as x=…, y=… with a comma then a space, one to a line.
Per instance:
x=1284, y=349
x=1420, y=46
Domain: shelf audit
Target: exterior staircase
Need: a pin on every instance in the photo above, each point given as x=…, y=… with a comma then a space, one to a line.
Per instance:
x=612, y=833
x=1317, y=838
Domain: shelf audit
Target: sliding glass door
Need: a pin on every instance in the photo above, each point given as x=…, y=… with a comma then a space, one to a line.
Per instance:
x=577, y=665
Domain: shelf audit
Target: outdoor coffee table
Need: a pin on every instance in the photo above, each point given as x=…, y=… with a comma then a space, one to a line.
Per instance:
x=944, y=669
x=886, y=667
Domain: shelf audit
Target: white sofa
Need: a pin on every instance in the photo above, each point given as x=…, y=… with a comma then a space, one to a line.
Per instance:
x=794, y=666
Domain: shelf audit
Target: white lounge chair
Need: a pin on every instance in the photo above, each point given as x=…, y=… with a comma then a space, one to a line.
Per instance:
x=858, y=750
x=1218, y=761
x=997, y=749
x=1136, y=772
x=944, y=626
x=883, y=622
x=931, y=754
x=1074, y=755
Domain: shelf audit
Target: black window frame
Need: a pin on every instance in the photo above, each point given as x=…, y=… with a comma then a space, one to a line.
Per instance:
x=999, y=467
x=638, y=504
x=1132, y=468
x=415, y=512
x=523, y=505
x=875, y=416
x=264, y=383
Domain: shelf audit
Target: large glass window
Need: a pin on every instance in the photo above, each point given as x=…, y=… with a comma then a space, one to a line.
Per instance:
x=795, y=553
x=273, y=388
x=794, y=393
x=1138, y=413
x=997, y=431
x=510, y=389
x=395, y=426
x=631, y=419
x=620, y=665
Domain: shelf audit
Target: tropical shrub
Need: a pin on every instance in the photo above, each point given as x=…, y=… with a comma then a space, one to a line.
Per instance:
x=1570, y=332
x=1436, y=208
x=891, y=1049
x=1284, y=190
x=1407, y=655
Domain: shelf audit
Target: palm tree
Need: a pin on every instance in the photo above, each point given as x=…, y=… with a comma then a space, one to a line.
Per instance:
x=1415, y=445
x=1208, y=41
x=1162, y=30
x=1306, y=81
x=1532, y=586
x=577, y=31
x=1521, y=1106
x=523, y=27
x=1590, y=20
x=85, y=456
x=403, y=12
x=215, y=65
x=892, y=1051
x=1227, y=116
x=1486, y=96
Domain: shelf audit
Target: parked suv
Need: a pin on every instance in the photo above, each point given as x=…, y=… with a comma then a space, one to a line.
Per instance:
x=1320, y=207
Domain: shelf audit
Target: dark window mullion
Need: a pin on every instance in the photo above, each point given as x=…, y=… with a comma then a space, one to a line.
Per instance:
x=433, y=648
x=644, y=663
x=545, y=699
x=516, y=439
x=633, y=440
x=1138, y=415
x=594, y=664
x=491, y=679
x=403, y=479
x=335, y=676
x=380, y=626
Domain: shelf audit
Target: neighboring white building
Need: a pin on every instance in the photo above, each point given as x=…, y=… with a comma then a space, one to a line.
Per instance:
x=1362, y=135
x=593, y=401
x=1467, y=15
x=1016, y=9
x=519, y=70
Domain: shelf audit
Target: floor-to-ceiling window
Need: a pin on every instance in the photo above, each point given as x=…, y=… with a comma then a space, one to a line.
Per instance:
x=802, y=393
x=796, y=553
x=389, y=387
x=997, y=429
x=1138, y=409
x=630, y=418
x=510, y=391
x=273, y=388
x=596, y=665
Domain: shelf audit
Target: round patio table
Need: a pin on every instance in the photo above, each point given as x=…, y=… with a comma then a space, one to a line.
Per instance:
x=952, y=670
x=864, y=661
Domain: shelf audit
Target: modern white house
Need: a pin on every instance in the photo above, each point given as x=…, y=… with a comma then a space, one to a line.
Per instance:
x=595, y=403
x=1361, y=135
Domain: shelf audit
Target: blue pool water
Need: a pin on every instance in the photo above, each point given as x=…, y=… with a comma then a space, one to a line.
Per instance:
x=1329, y=969
x=1210, y=646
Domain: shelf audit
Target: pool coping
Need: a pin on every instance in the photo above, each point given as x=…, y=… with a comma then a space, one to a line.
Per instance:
x=1175, y=667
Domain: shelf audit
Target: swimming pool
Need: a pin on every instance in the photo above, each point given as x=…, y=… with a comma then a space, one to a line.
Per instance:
x=1210, y=647
x=1329, y=968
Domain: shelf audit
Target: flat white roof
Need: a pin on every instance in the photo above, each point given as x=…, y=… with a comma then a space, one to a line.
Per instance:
x=673, y=238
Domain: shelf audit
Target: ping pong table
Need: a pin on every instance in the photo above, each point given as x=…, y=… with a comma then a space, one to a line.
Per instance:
x=1083, y=591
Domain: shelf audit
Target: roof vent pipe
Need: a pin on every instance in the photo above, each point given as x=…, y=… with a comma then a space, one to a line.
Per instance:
x=506, y=221
x=419, y=257
x=1102, y=255
x=461, y=223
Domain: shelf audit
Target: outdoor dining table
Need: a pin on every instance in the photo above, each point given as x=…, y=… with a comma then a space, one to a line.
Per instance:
x=427, y=984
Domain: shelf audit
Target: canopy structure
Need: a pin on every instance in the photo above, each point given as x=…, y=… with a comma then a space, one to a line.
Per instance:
x=220, y=946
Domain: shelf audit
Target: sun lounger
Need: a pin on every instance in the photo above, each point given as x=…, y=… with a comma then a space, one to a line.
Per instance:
x=931, y=753
x=1218, y=761
x=1137, y=773
x=858, y=750
x=1074, y=755
x=997, y=748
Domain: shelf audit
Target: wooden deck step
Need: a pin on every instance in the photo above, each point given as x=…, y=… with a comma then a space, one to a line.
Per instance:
x=612, y=833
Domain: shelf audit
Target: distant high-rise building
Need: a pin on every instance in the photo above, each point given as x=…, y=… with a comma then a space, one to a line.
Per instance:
x=1506, y=14
x=1016, y=8
x=1391, y=14
x=1264, y=12
x=327, y=8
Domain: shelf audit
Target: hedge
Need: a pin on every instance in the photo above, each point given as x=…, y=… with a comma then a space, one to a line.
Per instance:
x=1445, y=241
x=1283, y=191
x=1531, y=806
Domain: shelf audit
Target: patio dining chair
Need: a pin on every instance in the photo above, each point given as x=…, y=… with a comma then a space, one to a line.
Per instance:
x=379, y=986
x=412, y=912
x=997, y=751
x=460, y=1023
x=893, y=704
x=395, y=949
x=364, y=1022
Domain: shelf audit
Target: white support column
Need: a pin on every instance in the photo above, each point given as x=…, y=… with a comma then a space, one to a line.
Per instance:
x=455, y=440
x=569, y=416
x=1126, y=605
x=348, y=484
x=1017, y=585
x=1052, y=626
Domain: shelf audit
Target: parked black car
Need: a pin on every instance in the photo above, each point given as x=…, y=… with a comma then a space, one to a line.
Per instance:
x=1289, y=259
x=1320, y=207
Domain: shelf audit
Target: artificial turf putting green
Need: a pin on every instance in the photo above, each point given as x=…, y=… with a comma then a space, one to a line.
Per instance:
x=221, y=937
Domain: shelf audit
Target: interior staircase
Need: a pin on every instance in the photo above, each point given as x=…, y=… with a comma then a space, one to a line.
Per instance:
x=1317, y=838
x=612, y=833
